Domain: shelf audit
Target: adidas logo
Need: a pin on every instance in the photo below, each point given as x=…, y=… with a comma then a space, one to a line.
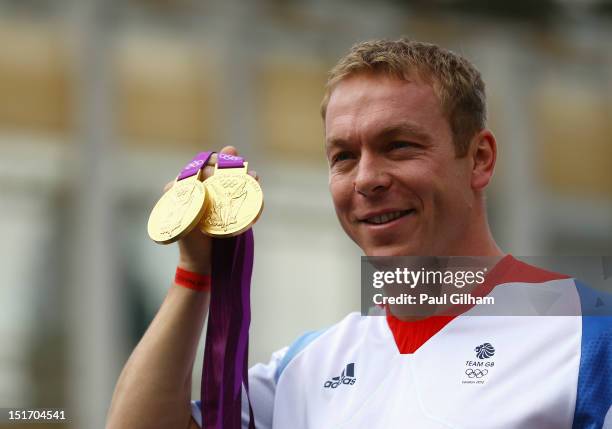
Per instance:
x=347, y=377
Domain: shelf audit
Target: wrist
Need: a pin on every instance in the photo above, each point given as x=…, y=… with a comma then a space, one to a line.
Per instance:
x=195, y=253
x=197, y=267
x=192, y=280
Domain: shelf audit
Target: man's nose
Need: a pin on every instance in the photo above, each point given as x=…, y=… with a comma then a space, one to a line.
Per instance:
x=371, y=178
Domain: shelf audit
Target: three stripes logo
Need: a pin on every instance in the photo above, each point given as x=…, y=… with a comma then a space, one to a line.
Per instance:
x=347, y=377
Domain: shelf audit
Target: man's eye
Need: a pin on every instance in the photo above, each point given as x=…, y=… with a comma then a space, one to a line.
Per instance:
x=401, y=145
x=342, y=156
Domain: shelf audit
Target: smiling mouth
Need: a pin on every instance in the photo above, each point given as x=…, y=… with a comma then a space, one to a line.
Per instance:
x=387, y=217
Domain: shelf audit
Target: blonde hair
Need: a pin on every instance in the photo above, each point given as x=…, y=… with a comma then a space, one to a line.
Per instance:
x=457, y=83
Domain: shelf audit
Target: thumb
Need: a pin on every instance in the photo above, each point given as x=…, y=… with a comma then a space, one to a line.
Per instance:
x=230, y=150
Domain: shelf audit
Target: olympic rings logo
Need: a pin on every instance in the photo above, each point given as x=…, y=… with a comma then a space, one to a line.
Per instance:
x=194, y=164
x=227, y=157
x=476, y=373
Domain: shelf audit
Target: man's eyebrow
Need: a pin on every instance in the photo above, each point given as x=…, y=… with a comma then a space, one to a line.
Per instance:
x=404, y=129
x=335, y=142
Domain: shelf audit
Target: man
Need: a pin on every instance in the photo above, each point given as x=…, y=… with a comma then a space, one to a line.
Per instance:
x=409, y=159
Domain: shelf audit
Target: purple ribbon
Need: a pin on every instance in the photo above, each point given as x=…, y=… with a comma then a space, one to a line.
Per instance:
x=195, y=165
x=225, y=160
x=225, y=368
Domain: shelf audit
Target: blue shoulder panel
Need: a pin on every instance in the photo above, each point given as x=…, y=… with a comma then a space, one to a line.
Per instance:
x=196, y=412
x=299, y=345
x=594, y=396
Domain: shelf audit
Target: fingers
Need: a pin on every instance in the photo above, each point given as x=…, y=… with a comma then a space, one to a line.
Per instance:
x=209, y=169
x=168, y=186
x=230, y=150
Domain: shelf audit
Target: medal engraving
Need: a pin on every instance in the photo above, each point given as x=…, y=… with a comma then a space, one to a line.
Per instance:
x=177, y=211
x=181, y=197
x=229, y=197
x=234, y=202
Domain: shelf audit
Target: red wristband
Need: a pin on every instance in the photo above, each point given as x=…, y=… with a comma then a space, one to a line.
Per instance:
x=195, y=281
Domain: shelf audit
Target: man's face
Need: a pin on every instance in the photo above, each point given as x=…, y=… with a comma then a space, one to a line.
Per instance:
x=398, y=187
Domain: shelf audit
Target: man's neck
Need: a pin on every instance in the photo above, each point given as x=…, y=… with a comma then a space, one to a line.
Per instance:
x=477, y=239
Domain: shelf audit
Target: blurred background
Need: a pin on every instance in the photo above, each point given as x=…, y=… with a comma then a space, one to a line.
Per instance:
x=102, y=103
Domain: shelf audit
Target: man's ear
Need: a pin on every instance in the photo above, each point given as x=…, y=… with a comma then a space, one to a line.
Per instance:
x=483, y=150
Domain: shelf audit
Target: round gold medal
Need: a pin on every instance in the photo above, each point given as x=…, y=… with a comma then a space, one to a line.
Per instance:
x=178, y=211
x=234, y=202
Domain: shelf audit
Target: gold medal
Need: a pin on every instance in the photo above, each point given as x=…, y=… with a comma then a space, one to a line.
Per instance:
x=178, y=211
x=234, y=202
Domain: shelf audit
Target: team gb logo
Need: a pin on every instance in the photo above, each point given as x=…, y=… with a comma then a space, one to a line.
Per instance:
x=484, y=351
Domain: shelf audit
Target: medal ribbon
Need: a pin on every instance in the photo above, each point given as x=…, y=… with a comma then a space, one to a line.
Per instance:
x=225, y=368
x=195, y=165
